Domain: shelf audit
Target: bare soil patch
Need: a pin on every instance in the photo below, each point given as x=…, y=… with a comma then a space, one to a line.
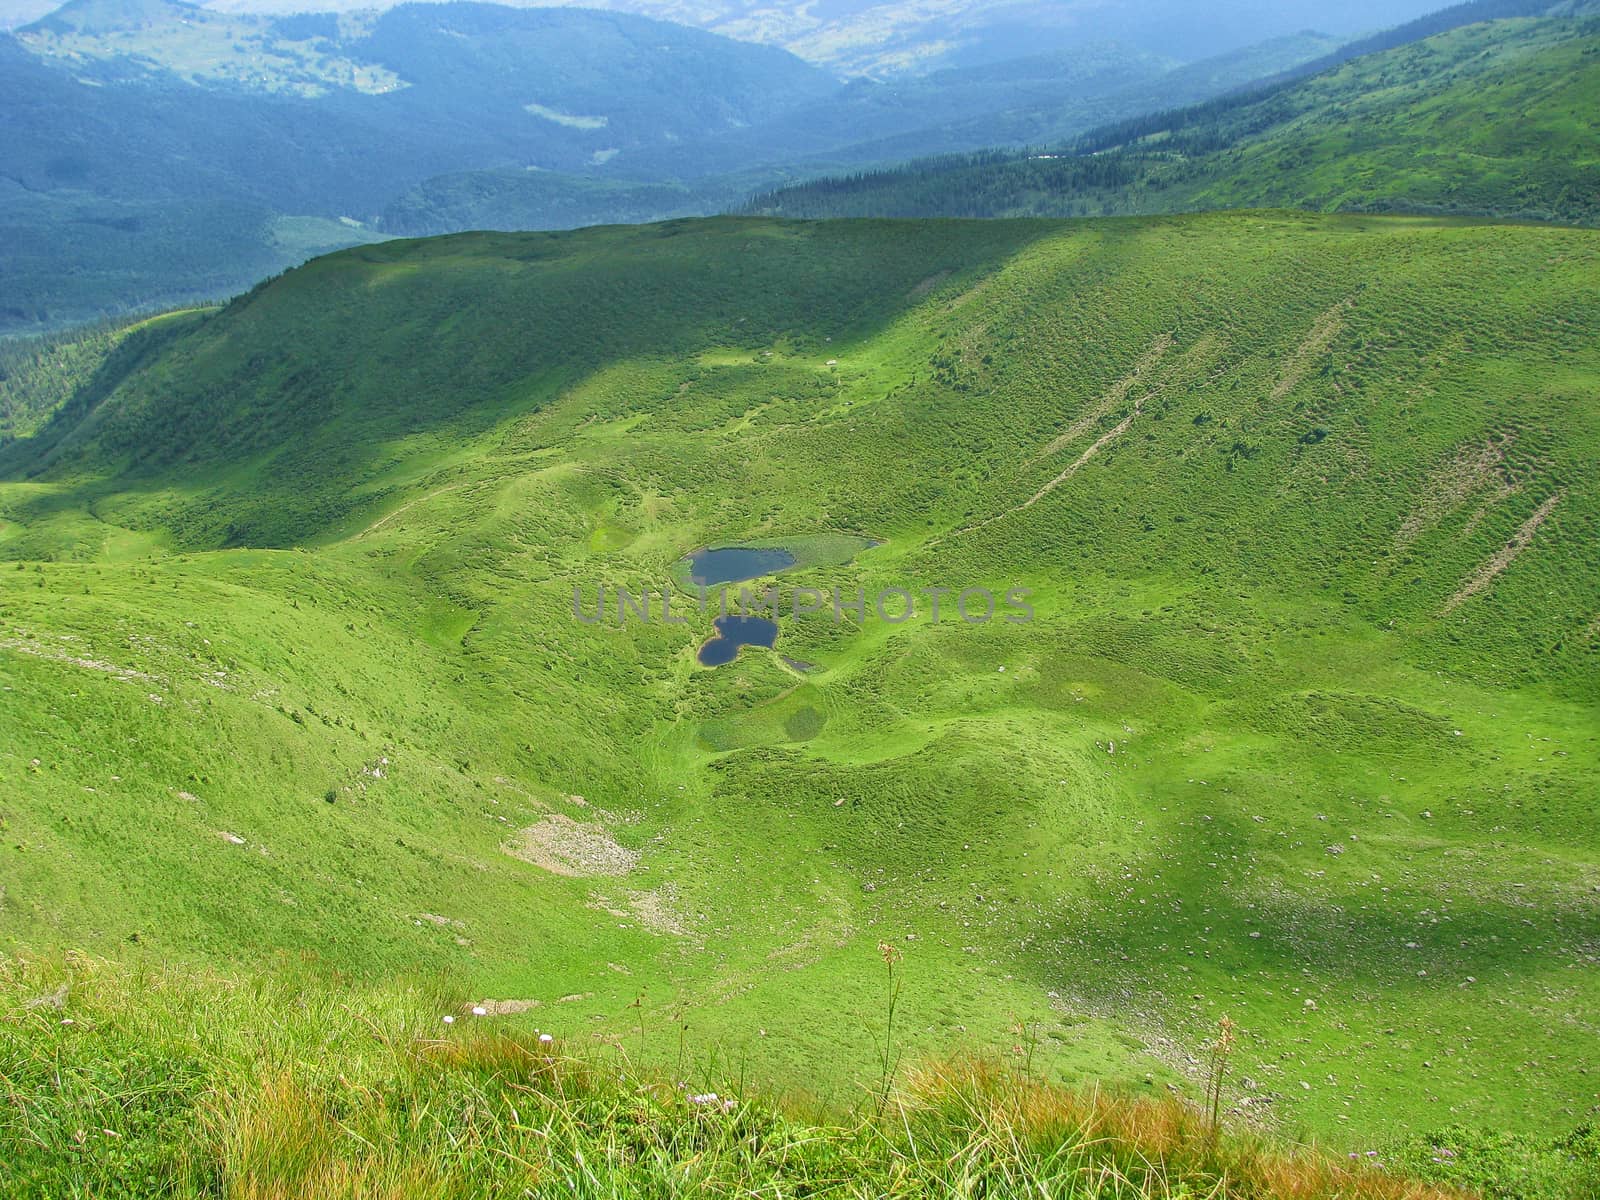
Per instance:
x=566, y=847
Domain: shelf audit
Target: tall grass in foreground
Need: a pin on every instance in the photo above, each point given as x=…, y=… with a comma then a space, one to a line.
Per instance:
x=172, y=1082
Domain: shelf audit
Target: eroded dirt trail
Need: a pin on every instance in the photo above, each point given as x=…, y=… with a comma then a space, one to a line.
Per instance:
x=1298, y=365
x=1491, y=567
x=1112, y=400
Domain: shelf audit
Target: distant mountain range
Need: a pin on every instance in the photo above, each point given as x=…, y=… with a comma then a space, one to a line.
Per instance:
x=886, y=36
x=152, y=150
x=879, y=37
x=155, y=151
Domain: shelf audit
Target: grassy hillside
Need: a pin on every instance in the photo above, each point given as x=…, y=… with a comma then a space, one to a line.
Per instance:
x=1304, y=732
x=186, y=1083
x=1496, y=118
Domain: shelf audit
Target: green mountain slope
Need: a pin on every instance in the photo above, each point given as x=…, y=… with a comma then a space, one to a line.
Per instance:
x=1304, y=731
x=36, y=374
x=1496, y=118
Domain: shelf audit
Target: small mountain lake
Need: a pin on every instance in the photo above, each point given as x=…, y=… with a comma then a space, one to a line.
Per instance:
x=735, y=564
x=720, y=566
x=734, y=633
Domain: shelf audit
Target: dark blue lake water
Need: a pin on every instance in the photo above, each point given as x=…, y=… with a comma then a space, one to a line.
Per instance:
x=735, y=564
x=734, y=632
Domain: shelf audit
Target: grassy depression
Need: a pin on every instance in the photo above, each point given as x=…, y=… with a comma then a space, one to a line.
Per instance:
x=1304, y=730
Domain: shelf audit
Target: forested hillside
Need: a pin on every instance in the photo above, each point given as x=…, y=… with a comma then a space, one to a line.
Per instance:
x=1491, y=119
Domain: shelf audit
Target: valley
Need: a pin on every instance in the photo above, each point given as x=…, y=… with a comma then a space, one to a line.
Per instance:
x=1304, y=731
x=1053, y=649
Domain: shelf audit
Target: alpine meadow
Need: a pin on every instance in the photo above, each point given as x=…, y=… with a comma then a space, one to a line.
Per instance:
x=1161, y=760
